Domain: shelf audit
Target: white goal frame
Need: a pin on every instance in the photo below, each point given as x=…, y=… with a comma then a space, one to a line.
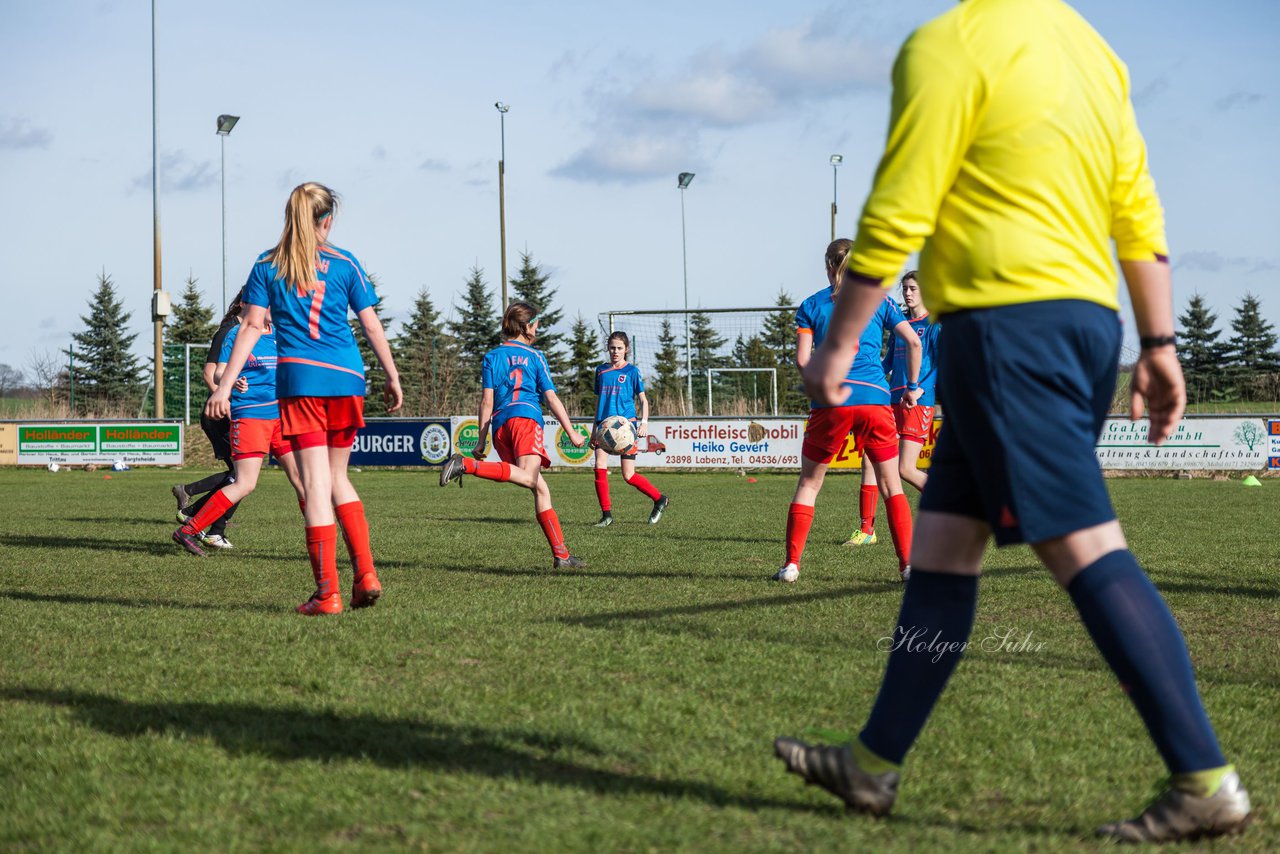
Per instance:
x=773, y=381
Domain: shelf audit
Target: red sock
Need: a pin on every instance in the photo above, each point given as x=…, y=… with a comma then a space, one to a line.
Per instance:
x=500, y=472
x=602, y=490
x=867, y=497
x=642, y=483
x=322, y=542
x=355, y=530
x=217, y=504
x=799, y=520
x=899, y=511
x=550, y=523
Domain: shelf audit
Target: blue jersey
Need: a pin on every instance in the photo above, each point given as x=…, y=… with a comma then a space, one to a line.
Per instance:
x=897, y=362
x=519, y=376
x=617, y=389
x=865, y=380
x=259, y=400
x=318, y=352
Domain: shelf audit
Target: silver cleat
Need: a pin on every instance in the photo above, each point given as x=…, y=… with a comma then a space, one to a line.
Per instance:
x=834, y=769
x=1177, y=815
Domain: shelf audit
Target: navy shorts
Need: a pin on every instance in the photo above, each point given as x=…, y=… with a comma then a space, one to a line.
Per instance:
x=1025, y=390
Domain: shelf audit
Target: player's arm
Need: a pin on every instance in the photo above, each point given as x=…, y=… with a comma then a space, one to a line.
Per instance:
x=914, y=353
x=642, y=429
x=1157, y=376
x=483, y=417
x=562, y=415
x=211, y=374
x=377, y=338
x=251, y=329
x=804, y=347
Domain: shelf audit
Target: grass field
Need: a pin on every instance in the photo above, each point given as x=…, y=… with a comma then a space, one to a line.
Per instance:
x=150, y=700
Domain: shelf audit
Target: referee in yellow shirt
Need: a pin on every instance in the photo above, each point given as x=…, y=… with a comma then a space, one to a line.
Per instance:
x=1015, y=159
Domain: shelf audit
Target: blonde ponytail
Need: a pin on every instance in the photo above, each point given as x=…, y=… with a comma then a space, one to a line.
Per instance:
x=296, y=254
x=837, y=254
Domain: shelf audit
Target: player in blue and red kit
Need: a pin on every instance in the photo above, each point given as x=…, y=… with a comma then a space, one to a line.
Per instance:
x=618, y=387
x=913, y=423
x=863, y=411
x=310, y=285
x=516, y=380
x=255, y=431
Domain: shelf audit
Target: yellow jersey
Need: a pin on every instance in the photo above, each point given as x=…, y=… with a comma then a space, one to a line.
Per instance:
x=1014, y=157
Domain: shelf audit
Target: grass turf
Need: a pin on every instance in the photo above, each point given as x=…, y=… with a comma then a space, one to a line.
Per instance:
x=151, y=700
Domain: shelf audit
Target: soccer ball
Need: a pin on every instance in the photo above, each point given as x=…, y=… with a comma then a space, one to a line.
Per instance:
x=615, y=435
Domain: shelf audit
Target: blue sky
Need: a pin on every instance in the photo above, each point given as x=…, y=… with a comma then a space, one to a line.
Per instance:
x=391, y=103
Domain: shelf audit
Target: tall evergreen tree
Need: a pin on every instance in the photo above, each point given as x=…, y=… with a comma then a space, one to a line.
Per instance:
x=668, y=365
x=584, y=356
x=106, y=371
x=705, y=343
x=780, y=336
x=1201, y=353
x=375, y=378
x=531, y=285
x=476, y=329
x=192, y=321
x=1253, y=350
x=425, y=356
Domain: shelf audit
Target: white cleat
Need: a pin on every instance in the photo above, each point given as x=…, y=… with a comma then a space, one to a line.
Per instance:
x=216, y=540
x=789, y=573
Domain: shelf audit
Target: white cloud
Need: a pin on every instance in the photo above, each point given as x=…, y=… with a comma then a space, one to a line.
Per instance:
x=179, y=173
x=20, y=133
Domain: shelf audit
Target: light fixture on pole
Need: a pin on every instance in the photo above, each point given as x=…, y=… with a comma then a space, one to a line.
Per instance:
x=836, y=160
x=225, y=124
x=683, y=180
x=502, y=196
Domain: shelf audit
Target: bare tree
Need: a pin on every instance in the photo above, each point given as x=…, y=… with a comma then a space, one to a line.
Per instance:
x=10, y=380
x=48, y=375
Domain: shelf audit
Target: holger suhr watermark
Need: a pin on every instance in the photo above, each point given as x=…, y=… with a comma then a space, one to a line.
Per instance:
x=918, y=639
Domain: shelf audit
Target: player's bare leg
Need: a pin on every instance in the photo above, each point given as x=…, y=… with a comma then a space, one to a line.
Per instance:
x=908, y=458
x=530, y=468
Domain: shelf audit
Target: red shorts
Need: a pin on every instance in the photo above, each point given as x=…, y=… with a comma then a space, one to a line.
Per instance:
x=915, y=423
x=871, y=426
x=254, y=437
x=520, y=437
x=310, y=422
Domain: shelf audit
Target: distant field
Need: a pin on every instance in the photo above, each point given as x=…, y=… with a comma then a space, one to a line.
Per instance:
x=150, y=700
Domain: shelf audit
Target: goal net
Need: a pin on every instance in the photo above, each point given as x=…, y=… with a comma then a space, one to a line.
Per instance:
x=687, y=357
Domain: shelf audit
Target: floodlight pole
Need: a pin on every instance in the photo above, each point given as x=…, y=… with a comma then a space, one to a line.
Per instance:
x=502, y=196
x=225, y=124
x=836, y=160
x=157, y=322
x=683, y=180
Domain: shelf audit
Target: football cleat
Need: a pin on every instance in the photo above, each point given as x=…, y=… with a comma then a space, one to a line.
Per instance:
x=1176, y=815
x=788, y=573
x=569, y=562
x=188, y=542
x=182, y=518
x=904, y=572
x=180, y=493
x=453, y=470
x=320, y=605
x=835, y=769
x=605, y=520
x=860, y=538
x=658, y=507
x=366, y=591
x=216, y=540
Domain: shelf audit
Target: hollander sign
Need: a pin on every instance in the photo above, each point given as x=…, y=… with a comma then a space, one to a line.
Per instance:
x=1198, y=443
x=134, y=443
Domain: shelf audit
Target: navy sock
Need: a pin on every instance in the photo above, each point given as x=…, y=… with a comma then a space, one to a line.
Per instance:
x=933, y=630
x=1137, y=636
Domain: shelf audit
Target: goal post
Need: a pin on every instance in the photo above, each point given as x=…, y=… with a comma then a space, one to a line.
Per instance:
x=773, y=384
